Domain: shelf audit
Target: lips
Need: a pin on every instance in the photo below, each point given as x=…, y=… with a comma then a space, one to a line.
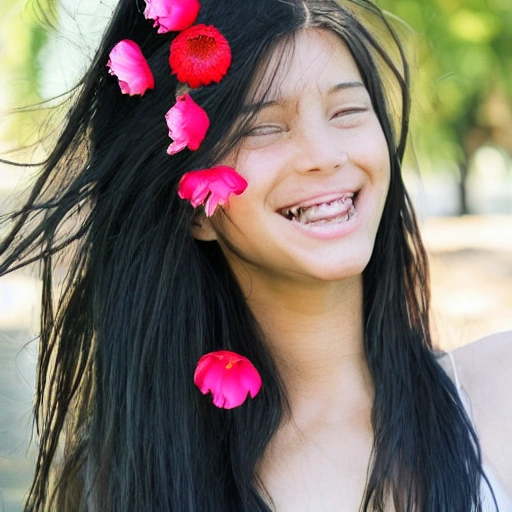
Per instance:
x=338, y=209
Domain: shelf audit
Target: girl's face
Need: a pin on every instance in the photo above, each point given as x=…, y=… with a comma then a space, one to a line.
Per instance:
x=317, y=165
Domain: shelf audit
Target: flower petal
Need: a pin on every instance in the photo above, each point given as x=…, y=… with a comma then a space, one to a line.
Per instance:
x=200, y=55
x=211, y=204
x=228, y=376
x=208, y=374
x=232, y=393
x=211, y=187
x=172, y=15
x=250, y=380
x=187, y=123
x=193, y=189
x=131, y=68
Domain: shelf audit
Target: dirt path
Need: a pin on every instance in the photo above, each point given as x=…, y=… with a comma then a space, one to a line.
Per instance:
x=471, y=269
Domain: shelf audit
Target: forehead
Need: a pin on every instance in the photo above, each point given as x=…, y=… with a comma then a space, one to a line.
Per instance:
x=312, y=60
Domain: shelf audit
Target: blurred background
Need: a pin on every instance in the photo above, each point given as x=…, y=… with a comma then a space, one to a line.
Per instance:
x=459, y=171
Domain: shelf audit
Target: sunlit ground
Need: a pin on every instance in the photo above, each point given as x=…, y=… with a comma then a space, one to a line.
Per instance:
x=471, y=270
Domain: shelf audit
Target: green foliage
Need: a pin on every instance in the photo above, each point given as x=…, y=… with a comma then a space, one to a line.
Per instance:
x=23, y=35
x=465, y=57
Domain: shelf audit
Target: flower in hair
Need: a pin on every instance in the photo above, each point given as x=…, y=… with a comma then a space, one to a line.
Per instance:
x=200, y=55
x=211, y=187
x=131, y=68
x=187, y=123
x=171, y=15
x=229, y=377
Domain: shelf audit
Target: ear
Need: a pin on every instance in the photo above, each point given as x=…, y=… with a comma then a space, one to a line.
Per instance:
x=202, y=229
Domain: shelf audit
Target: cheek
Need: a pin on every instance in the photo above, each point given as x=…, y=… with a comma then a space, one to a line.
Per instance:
x=263, y=173
x=235, y=220
x=376, y=160
x=376, y=146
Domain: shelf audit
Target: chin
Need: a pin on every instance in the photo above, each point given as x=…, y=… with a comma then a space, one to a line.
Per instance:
x=341, y=268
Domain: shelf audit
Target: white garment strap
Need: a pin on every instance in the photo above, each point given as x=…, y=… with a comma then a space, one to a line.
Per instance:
x=466, y=402
x=455, y=374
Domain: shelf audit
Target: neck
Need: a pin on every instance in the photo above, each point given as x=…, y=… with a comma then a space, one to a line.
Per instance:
x=316, y=335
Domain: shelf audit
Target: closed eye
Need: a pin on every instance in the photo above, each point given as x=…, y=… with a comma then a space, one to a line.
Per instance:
x=267, y=129
x=350, y=111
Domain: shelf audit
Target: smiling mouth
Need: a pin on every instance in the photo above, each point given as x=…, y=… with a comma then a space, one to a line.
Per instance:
x=337, y=211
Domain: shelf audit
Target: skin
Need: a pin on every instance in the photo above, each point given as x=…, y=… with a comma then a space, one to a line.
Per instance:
x=316, y=139
x=484, y=371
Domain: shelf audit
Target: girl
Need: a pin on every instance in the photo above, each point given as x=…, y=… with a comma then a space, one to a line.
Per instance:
x=243, y=325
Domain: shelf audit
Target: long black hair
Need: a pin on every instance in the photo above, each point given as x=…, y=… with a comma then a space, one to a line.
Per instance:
x=142, y=300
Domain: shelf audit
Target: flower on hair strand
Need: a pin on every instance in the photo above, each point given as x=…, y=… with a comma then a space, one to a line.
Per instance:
x=129, y=65
x=211, y=187
x=187, y=123
x=228, y=376
x=172, y=15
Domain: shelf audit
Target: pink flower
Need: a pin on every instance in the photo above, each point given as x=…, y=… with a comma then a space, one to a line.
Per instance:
x=211, y=187
x=200, y=55
x=228, y=376
x=131, y=68
x=188, y=124
x=171, y=15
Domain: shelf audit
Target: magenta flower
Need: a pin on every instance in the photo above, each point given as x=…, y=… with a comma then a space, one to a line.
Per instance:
x=211, y=187
x=172, y=15
x=188, y=124
x=131, y=68
x=229, y=377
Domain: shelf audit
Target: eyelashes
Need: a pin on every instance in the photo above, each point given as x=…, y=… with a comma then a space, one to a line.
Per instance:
x=351, y=111
x=266, y=129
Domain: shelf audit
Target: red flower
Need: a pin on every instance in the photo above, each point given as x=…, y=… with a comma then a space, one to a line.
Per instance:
x=228, y=376
x=131, y=68
x=211, y=187
x=187, y=123
x=200, y=55
x=170, y=15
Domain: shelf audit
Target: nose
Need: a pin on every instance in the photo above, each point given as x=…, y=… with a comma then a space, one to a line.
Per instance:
x=319, y=148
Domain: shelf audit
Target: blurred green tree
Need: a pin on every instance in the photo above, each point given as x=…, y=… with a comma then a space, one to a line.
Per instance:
x=22, y=36
x=465, y=74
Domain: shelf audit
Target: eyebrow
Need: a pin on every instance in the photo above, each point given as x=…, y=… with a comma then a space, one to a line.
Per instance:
x=257, y=106
x=260, y=105
x=345, y=85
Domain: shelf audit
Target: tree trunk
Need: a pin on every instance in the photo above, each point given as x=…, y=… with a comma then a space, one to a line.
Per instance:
x=463, y=177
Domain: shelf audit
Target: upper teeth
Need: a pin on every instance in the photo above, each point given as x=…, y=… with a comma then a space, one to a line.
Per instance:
x=296, y=211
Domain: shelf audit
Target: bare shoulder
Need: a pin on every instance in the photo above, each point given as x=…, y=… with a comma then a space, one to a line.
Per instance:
x=484, y=368
x=486, y=359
